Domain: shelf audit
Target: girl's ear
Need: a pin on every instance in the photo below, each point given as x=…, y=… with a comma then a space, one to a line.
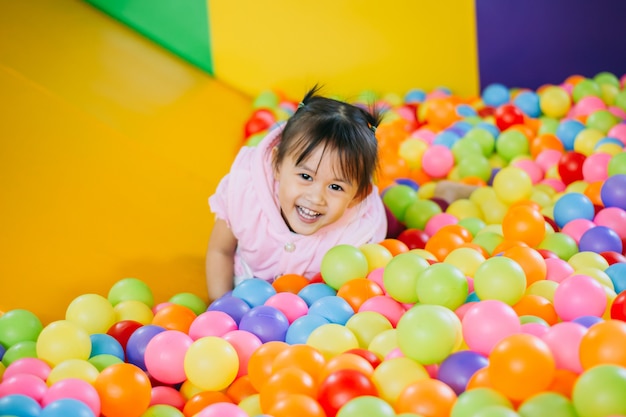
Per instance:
x=274, y=164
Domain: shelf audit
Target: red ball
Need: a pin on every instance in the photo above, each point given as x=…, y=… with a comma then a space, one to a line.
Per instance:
x=545, y=254
x=414, y=238
x=341, y=386
x=366, y=354
x=570, y=167
x=508, y=115
x=613, y=257
x=260, y=120
x=618, y=308
x=122, y=330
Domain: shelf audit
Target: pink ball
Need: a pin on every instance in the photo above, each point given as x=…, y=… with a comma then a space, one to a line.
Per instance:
x=437, y=161
x=245, y=343
x=618, y=132
x=211, y=323
x=487, y=323
x=548, y=158
x=163, y=394
x=75, y=388
x=557, y=185
x=577, y=227
x=394, y=353
x=579, y=295
x=160, y=306
x=463, y=309
x=536, y=329
x=588, y=105
x=222, y=410
x=386, y=306
x=613, y=217
x=25, y=384
x=289, y=303
x=439, y=220
x=376, y=275
x=563, y=339
x=426, y=135
x=165, y=356
x=557, y=269
x=617, y=111
x=532, y=168
x=595, y=167
x=32, y=366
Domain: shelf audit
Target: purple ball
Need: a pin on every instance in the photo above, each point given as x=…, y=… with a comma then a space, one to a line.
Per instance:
x=233, y=306
x=613, y=191
x=266, y=322
x=588, y=321
x=600, y=239
x=137, y=342
x=458, y=368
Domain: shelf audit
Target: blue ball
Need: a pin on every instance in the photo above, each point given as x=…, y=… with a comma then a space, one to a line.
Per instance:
x=528, y=103
x=415, y=96
x=567, y=132
x=299, y=331
x=64, y=407
x=495, y=95
x=472, y=297
x=489, y=127
x=314, y=292
x=617, y=273
x=19, y=405
x=446, y=138
x=266, y=322
x=600, y=239
x=573, y=206
x=254, y=291
x=102, y=343
x=465, y=110
x=333, y=308
x=408, y=182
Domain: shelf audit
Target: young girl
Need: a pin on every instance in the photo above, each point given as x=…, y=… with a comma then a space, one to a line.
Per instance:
x=305, y=188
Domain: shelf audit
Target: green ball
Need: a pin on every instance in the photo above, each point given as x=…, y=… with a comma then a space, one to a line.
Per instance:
x=500, y=278
x=474, y=166
x=512, y=143
x=617, y=164
x=547, y=404
x=266, y=100
x=343, y=263
x=162, y=410
x=366, y=405
x=472, y=224
x=585, y=88
x=602, y=120
x=485, y=139
x=18, y=326
x=131, y=289
x=548, y=125
x=103, y=361
x=620, y=99
x=429, y=333
x=418, y=213
x=606, y=78
x=465, y=147
x=599, y=391
x=191, y=301
x=470, y=402
x=496, y=411
x=488, y=240
x=533, y=319
x=562, y=245
x=442, y=284
x=25, y=349
x=398, y=198
x=400, y=276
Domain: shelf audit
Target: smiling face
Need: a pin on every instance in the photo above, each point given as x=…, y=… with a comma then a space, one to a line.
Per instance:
x=313, y=194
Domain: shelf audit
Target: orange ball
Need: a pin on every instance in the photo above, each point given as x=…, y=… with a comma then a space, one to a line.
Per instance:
x=394, y=246
x=563, y=382
x=426, y=397
x=284, y=383
x=240, y=389
x=358, y=290
x=346, y=361
x=543, y=142
x=538, y=306
x=505, y=245
x=604, y=344
x=297, y=405
x=204, y=399
x=521, y=365
x=174, y=317
x=440, y=112
x=531, y=261
x=592, y=191
x=261, y=362
x=305, y=357
x=442, y=243
x=124, y=390
x=525, y=224
x=480, y=379
x=290, y=283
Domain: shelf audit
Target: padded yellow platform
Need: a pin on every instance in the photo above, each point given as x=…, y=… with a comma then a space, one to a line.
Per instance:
x=109, y=149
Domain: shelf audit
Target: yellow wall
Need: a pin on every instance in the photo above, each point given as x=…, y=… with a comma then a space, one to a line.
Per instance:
x=348, y=45
x=109, y=149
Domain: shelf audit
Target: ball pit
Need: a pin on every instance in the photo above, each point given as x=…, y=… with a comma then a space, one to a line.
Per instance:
x=510, y=301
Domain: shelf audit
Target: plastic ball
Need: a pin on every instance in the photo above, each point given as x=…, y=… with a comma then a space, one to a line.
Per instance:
x=245, y=343
x=292, y=283
x=579, y=295
x=618, y=307
x=418, y=213
x=366, y=325
x=429, y=333
x=165, y=355
x=564, y=341
x=600, y=239
x=601, y=344
x=266, y=322
x=457, y=369
x=124, y=391
x=613, y=191
x=341, y=386
x=554, y=101
x=122, y=330
x=137, y=343
x=189, y=300
x=61, y=340
x=254, y=291
x=211, y=323
x=342, y=263
x=133, y=310
x=442, y=284
x=211, y=363
x=560, y=244
x=401, y=274
x=613, y=217
x=486, y=323
x=385, y=305
x=398, y=198
x=599, y=391
x=512, y=184
x=500, y=278
x=105, y=344
x=291, y=305
x=235, y=307
x=77, y=389
x=333, y=308
x=19, y=325
x=130, y=289
x=92, y=312
x=570, y=167
x=473, y=401
x=437, y=161
x=576, y=227
x=332, y=339
x=525, y=224
x=300, y=330
x=572, y=206
x=495, y=95
x=393, y=375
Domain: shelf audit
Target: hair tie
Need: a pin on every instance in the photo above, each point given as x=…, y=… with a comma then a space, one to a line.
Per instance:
x=300, y=105
x=372, y=128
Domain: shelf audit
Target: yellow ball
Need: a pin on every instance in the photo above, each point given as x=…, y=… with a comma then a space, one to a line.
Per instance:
x=412, y=150
x=73, y=368
x=586, y=140
x=92, y=312
x=62, y=340
x=512, y=184
x=384, y=343
x=377, y=255
x=393, y=375
x=332, y=339
x=464, y=208
x=366, y=325
x=211, y=363
x=133, y=310
x=466, y=259
x=554, y=101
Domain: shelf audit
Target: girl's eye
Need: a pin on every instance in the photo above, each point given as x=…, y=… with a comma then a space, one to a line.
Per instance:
x=306, y=177
x=336, y=187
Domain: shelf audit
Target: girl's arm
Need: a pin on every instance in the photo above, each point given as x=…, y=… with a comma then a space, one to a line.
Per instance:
x=220, y=259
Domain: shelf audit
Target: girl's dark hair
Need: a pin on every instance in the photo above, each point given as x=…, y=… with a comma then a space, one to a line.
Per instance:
x=336, y=126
